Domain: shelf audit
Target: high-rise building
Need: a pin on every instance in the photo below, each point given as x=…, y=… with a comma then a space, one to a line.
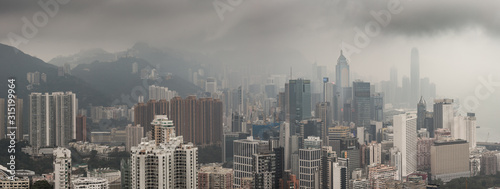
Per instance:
x=406, y=92
x=264, y=170
x=284, y=141
x=470, y=125
x=405, y=139
x=415, y=75
x=342, y=72
x=81, y=128
x=215, y=177
x=424, y=153
x=211, y=85
x=166, y=162
x=361, y=103
x=323, y=112
x=227, y=145
x=289, y=181
x=396, y=161
x=62, y=168
x=464, y=128
x=340, y=176
x=443, y=114
x=52, y=119
x=377, y=107
x=140, y=116
x=2, y=118
x=421, y=111
x=328, y=159
x=309, y=167
x=299, y=105
x=158, y=93
x=145, y=112
x=198, y=120
x=391, y=92
x=19, y=119
x=449, y=160
x=134, y=136
x=375, y=154
x=429, y=123
x=125, y=173
x=489, y=163
x=244, y=150
x=236, y=122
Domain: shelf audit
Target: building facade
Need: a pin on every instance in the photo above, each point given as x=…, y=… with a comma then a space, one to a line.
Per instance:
x=450, y=160
x=215, y=177
x=164, y=162
x=52, y=119
x=405, y=139
x=62, y=168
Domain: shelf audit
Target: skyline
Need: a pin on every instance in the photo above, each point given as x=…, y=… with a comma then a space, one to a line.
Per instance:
x=287, y=30
x=250, y=94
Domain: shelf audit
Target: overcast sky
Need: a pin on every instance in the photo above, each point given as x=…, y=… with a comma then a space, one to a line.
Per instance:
x=458, y=40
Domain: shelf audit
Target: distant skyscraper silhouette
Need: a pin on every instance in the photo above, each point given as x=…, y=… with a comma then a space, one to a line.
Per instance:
x=342, y=72
x=421, y=112
x=415, y=76
x=299, y=96
x=361, y=106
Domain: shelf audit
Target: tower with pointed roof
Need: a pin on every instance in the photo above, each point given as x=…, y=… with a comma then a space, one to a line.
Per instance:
x=342, y=71
x=421, y=112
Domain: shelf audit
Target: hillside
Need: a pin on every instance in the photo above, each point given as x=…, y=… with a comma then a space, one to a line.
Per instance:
x=116, y=78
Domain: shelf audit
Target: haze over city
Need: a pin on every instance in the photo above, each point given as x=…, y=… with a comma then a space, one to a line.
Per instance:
x=128, y=66
x=457, y=40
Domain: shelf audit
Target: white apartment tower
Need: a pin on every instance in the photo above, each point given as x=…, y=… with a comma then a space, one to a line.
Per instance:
x=465, y=128
x=309, y=167
x=158, y=93
x=375, y=153
x=164, y=163
x=405, y=139
x=52, y=119
x=244, y=150
x=62, y=168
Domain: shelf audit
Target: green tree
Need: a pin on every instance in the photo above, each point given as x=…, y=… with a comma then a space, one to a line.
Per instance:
x=42, y=184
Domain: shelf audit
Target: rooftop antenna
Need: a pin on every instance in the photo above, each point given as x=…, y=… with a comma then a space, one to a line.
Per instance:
x=341, y=46
x=291, y=76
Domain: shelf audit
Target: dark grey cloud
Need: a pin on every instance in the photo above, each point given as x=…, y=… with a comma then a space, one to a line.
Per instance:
x=195, y=22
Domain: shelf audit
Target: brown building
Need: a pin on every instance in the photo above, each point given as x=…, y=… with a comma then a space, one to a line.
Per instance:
x=144, y=113
x=81, y=128
x=198, y=120
x=215, y=177
x=289, y=181
x=140, y=116
x=424, y=153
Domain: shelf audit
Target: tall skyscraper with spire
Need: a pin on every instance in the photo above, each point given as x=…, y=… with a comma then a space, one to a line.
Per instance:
x=415, y=76
x=342, y=72
x=342, y=81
